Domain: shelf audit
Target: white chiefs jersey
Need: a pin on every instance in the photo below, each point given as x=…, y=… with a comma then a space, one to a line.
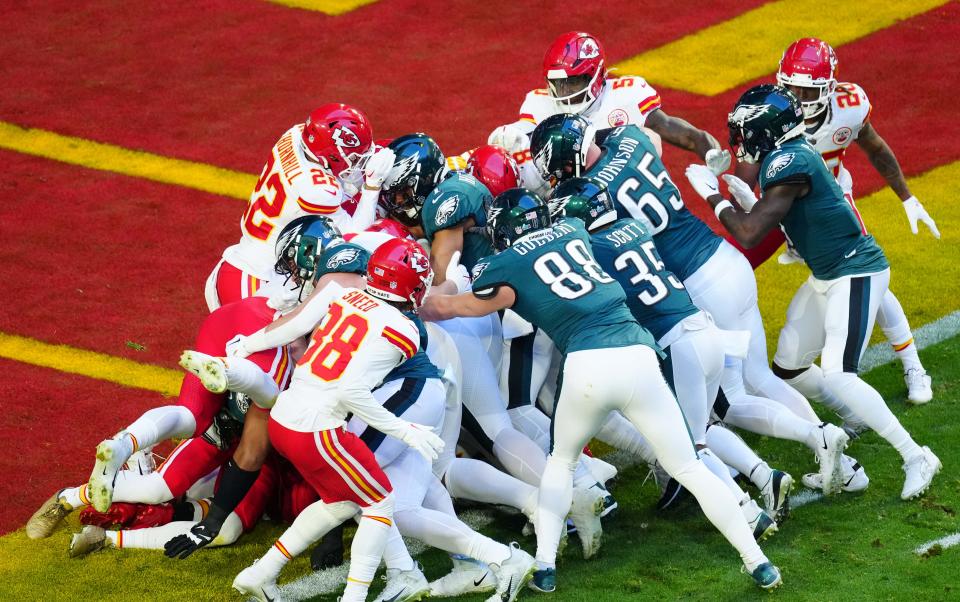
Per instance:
x=847, y=113
x=359, y=341
x=289, y=187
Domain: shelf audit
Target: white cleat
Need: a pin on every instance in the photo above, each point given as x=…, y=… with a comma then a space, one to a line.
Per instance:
x=211, y=370
x=588, y=505
x=404, y=586
x=513, y=574
x=776, y=494
x=761, y=524
x=601, y=470
x=854, y=476
x=46, y=519
x=831, y=441
x=920, y=472
x=919, y=390
x=468, y=576
x=141, y=462
x=252, y=582
x=90, y=539
x=112, y=454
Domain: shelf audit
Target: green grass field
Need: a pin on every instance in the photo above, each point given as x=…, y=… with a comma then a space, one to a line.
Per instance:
x=856, y=546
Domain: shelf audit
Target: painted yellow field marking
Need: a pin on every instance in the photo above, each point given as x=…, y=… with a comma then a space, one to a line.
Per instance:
x=91, y=364
x=134, y=163
x=329, y=7
x=749, y=46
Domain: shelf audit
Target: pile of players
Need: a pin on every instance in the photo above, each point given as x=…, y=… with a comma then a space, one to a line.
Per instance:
x=386, y=304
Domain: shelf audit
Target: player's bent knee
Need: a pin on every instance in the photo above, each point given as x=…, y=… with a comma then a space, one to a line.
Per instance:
x=384, y=508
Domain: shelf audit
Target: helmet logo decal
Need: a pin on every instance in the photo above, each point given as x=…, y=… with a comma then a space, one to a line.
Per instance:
x=446, y=209
x=542, y=159
x=745, y=113
x=342, y=258
x=402, y=169
x=589, y=49
x=779, y=163
x=556, y=205
x=493, y=214
x=419, y=261
x=345, y=137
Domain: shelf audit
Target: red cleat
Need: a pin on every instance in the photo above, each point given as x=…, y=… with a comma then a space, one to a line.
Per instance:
x=128, y=516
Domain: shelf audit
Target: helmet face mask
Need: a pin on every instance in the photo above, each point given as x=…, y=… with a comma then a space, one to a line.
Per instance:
x=764, y=118
x=574, y=68
x=299, y=247
x=810, y=63
x=418, y=167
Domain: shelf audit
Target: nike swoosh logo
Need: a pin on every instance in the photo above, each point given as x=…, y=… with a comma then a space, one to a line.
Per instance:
x=506, y=594
x=480, y=580
x=850, y=254
x=393, y=598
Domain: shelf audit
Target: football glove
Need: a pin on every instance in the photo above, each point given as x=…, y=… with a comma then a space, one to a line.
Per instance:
x=200, y=535
x=717, y=160
x=458, y=274
x=789, y=256
x=703, y=180
x=377, y=169
x=916, y=212
x=236, y=347
x=509, y=137
x=741, y=191
x=422, y=439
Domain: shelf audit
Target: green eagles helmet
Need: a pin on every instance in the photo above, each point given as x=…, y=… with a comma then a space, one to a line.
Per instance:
x=585, y=199
x=515, y=213
x=559, y=146
x=299, y=247
x=764, y=118
x=418, y=166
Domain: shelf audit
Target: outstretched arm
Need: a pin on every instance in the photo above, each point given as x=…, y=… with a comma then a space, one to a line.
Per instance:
x=681, y=133
x=466, y=305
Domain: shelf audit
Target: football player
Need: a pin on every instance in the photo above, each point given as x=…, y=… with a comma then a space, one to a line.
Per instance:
x=717, y=277
x=547, y=273
x=312, y=170
x=835, y=116
x=579, y=82
x=833, y=312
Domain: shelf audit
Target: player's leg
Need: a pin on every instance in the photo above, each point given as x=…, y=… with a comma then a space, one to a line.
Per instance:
x=893, y=321
x=851, y=307
x=228, y=284
x=774, y=485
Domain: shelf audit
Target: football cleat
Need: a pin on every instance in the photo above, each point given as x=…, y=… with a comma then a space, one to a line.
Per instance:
x=252, y=582
x=404, y=586
x=211, y=370
x=776, y=494
x=468, y=576
x=544, y=581
x=854, y=476
x=512, y=574
x=671, y=491
x=141, y=462
x=831, y=441
x=47, y=517
x=90, y=539
x=919, y=389
x=585, y=512
x=767, y=576
x=854, y=429
x=919, y=473
x=762, y=525
x=111, y=456
x=603, y=471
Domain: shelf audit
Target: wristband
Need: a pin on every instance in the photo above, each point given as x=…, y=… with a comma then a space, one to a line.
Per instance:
x=724, y=204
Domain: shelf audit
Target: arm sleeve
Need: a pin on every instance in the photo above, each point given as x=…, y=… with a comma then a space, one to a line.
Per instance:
x=363, y=374
x=310, y=314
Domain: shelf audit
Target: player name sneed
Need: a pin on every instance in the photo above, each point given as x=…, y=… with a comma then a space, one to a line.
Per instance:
x=360, y=301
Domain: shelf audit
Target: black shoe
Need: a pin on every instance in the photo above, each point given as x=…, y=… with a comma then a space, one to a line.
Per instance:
x=329, y=552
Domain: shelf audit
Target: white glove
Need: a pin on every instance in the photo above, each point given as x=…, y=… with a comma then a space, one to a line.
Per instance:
x=377, y=168
x=789, y=256
x=915, y=211
x=422, y=439
x=457, y=273
x=741, y=191
x=236, y=347
x=510, y=137
x=717, y=160
x=703, y=180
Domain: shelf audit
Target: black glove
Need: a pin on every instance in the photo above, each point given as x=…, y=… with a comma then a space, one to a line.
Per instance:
x=200, y=535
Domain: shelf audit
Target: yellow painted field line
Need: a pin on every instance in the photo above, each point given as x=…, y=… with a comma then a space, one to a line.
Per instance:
x=133, y=163
x=749, y=46
x=100, y=366
x=329, y=7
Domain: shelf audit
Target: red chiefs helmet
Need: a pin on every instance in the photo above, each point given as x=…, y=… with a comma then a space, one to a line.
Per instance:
x=810, y=63
x=337, y=135
x=495, y=168
x=391, y=227
x=574, y=67
x=399, y=271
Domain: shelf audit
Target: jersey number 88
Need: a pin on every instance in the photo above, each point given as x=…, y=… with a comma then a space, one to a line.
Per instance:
x=555, y=271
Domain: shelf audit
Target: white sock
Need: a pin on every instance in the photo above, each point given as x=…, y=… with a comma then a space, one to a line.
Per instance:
x=367, y=549
x=141, y=488
x=519, y=455
x=616, y=431
x=448, y=533
x=246, y=377
x=152, y=538
x=478, y=481
x=814, y=386
x=772, y=387
x=719, y=469
x=556, y=496
x=766, y=417
x=76, y=496
x=735, y=452
x=395, y=553
x=159, y=424
x=309, y=526
x=893, y=321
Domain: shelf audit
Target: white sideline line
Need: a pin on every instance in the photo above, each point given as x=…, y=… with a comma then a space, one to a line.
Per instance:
x=944, y=542
x=330, y=580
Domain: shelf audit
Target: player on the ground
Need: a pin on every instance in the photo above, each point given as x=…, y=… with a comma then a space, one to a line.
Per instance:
x=578, y=81
x=312, y=170
x=837, y=114
x=833, y=312
x=548, y=275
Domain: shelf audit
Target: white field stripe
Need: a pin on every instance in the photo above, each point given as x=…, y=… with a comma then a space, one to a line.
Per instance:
x=331, y=580
x=944, y=542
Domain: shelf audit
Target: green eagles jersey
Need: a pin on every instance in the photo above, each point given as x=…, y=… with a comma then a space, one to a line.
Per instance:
x=823, y=227
x=343, y=258
x=561, y=289
x=655, y=296
x=641, y=188
x=458, y=197
x=418, y=366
